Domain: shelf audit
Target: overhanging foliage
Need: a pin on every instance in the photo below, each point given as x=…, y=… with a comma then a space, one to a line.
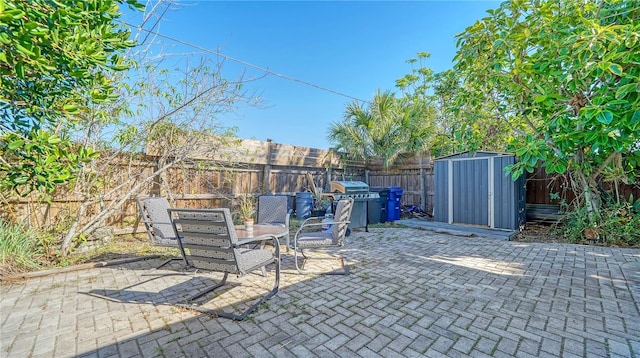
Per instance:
x=565, y=77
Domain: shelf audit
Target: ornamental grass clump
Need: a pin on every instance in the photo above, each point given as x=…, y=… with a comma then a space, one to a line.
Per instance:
x=20, y=249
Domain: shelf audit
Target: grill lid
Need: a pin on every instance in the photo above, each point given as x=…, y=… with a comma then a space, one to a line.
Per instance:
x=356, y=197
x=349, y=187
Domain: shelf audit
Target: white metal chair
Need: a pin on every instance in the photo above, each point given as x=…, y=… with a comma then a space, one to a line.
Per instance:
x=153, y=211
x=321, y=239
x=274, y=210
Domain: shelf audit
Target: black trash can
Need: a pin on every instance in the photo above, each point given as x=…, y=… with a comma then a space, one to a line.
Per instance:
x=393, y=203
x=378, y=208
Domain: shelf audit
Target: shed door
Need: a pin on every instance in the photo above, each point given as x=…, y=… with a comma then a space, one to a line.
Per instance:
x=471, y=192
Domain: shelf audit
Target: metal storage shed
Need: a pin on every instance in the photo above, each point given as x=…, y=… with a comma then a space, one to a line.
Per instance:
x=473, y=188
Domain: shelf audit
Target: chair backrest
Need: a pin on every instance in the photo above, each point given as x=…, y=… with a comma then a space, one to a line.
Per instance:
x=343, y=213
x=273, y=209
x=156, y=219
x=210, y=237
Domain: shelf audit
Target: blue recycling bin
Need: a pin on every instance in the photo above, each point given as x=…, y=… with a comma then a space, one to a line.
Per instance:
x=393, y=203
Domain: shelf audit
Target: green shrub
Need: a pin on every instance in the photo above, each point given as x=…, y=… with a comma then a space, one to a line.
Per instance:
x=20, y=248
x=617, y=224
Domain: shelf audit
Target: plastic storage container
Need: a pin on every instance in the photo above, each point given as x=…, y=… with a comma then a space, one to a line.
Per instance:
x=393, y=203
x=304, y=204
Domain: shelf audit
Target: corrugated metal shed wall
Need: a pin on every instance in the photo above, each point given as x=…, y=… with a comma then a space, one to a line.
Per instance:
x=477, y=197
x=510, y=198
x=440, y=189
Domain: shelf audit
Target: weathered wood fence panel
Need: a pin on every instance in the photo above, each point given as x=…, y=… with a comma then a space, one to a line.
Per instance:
x=413, y=173
x=65, y=203
x=216, y=182
x=541, y=186
x=416, y=186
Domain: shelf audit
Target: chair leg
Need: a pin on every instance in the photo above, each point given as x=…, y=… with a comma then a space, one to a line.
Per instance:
x=233, y=316
x=169, y=260
x=345, y=267
x=212, y=288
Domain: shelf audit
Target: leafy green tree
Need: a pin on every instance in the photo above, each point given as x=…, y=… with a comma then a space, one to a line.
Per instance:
x=56, y=64
x=417, y=85
x=169, y=112
x=462, y=125
x=563, y=76
x=165, y=109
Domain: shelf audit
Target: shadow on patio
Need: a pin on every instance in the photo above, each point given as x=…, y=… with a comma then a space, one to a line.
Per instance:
x=411, y=293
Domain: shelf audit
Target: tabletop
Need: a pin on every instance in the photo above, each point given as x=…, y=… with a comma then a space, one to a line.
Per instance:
x=260, y=230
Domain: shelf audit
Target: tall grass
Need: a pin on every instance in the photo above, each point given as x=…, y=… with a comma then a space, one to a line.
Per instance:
x=617, y=224
x=19, y=248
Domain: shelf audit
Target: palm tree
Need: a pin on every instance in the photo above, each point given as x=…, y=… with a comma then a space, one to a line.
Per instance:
x=385, y=127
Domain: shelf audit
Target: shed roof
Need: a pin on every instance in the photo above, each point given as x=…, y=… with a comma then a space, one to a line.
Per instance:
x=479, y=154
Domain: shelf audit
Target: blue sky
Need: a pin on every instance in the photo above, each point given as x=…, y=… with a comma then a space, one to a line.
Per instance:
x=354, y=48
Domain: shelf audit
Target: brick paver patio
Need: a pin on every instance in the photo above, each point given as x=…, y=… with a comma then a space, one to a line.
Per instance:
x=411, y=293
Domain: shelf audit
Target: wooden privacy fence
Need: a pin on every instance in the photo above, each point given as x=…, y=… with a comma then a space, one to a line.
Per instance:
x=252, y=167
x=541, y=186
x=285, y=168
x=257, y=167
x=412, y=173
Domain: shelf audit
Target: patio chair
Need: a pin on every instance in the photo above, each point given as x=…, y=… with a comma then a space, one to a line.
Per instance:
x=321, y=239
x=153, y=211
x=274, y=210
x=210, y=238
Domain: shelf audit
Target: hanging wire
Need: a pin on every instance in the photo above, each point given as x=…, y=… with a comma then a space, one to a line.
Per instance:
x=245, y=63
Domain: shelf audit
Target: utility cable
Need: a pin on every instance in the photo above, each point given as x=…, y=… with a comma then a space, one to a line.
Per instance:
x=245, y=63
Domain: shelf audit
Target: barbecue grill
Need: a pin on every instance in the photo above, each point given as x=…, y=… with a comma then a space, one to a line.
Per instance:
x=359, y=191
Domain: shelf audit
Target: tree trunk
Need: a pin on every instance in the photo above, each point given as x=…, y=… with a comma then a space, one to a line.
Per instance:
x=114, y=205
x=72, y=233
x=590, y=193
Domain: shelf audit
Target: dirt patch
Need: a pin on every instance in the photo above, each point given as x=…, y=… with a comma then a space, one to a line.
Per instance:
x=538, y=233
x=122, y=248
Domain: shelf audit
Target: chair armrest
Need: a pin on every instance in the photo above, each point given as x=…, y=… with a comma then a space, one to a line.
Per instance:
x=306, y=224
x=310, y=219
x=333, y=222
x=155, y=222
x=287, y=219
x=260, y=238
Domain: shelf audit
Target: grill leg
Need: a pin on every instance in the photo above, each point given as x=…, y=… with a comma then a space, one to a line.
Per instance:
x=366, y=210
